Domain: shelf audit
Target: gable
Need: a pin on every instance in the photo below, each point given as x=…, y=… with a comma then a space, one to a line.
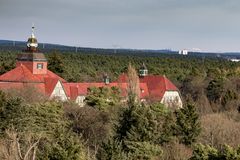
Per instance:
x=59, y=92
x=172, y=98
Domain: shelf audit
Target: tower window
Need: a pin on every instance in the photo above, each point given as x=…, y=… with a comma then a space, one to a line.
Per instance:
x=39, y=66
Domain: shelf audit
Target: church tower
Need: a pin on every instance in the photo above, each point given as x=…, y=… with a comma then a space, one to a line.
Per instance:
x=35, y=61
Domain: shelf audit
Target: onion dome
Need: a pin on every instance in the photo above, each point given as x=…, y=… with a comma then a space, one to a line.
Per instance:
x=32, y=43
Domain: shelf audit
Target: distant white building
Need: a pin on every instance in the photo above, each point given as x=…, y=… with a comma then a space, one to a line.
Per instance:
x=183, y=52
x=234, y=60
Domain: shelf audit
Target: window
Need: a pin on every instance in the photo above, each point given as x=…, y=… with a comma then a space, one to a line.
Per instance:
x=39, y=66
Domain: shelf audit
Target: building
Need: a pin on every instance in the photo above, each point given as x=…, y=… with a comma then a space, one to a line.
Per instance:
x=183, y=52
x=32, y=71
x=159, y=88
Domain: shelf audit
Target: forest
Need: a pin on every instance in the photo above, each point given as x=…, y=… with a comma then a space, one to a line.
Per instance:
x=206, y=128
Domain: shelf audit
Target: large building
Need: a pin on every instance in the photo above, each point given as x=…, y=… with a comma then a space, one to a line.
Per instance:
x=32, y=71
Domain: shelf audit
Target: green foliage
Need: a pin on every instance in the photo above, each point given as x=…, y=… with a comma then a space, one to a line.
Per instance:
x=202, y=152
x=111, y=150
x=229, y=96
x=55, y=63
x=143, y=150
x=66, y=146
x=103, y=97
x=215, y=89
x=139, y=131
x=187, y=124
x=26, y=117
x=44, y=121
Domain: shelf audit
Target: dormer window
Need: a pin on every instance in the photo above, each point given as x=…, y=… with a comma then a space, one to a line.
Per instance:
x=40, y=66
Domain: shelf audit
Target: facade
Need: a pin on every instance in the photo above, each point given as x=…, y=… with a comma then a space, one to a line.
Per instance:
x=31, y=71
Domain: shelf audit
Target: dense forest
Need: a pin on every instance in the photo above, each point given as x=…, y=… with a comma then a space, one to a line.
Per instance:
x=206, y=128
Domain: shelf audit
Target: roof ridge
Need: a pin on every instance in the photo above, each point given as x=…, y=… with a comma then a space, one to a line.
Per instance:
x=165, y=84
x=23, y=71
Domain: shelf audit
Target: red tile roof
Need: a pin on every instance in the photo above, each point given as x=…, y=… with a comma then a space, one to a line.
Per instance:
x=157, y=85
x=74, y=89
x=23, y=74
x=21, y=77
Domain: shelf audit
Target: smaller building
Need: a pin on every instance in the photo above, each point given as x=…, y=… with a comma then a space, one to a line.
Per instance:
x=159, y=88
x=234, y=60
x=183, y=52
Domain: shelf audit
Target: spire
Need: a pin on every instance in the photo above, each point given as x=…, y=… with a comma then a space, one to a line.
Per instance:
x=32, y=42
x=33, y=27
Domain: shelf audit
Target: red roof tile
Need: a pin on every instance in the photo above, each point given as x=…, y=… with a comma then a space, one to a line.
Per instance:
x=23, y=74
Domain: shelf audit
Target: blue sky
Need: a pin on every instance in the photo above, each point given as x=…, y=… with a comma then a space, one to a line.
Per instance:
x=208, y=25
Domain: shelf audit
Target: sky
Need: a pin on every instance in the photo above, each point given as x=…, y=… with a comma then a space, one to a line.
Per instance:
x=206, y=25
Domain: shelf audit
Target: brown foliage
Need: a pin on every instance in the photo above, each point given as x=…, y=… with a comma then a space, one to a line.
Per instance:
x=29, y=94
x=92, y=124
x=176, y=151
x=218, y=129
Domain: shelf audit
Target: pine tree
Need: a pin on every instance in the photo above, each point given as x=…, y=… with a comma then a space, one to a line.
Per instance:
x=137, y=130
x=55, y=63
x=187, y=124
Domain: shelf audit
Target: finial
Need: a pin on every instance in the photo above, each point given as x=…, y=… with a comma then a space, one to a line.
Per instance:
x=33, y=27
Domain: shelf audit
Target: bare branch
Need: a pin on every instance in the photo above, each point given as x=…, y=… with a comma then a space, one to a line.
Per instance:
x=31, y=147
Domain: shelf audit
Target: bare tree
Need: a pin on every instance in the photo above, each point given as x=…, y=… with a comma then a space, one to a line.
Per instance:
x=219, y=129
x=12, y=148
x=133, y=85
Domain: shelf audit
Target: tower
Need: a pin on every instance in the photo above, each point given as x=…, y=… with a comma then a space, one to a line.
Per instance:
x=143, y=71
x=35, y=61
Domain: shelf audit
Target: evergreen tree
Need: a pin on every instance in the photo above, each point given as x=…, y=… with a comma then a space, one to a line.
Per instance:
x=43, y=122
x=187, y=124
x=202, y=152
x=55, y=63
x=137, y=131
x=103, y=97
x=215, y=90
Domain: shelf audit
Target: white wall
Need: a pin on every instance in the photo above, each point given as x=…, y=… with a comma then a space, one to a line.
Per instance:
x=59, y=92
x=172, y=99
x=80, y=100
